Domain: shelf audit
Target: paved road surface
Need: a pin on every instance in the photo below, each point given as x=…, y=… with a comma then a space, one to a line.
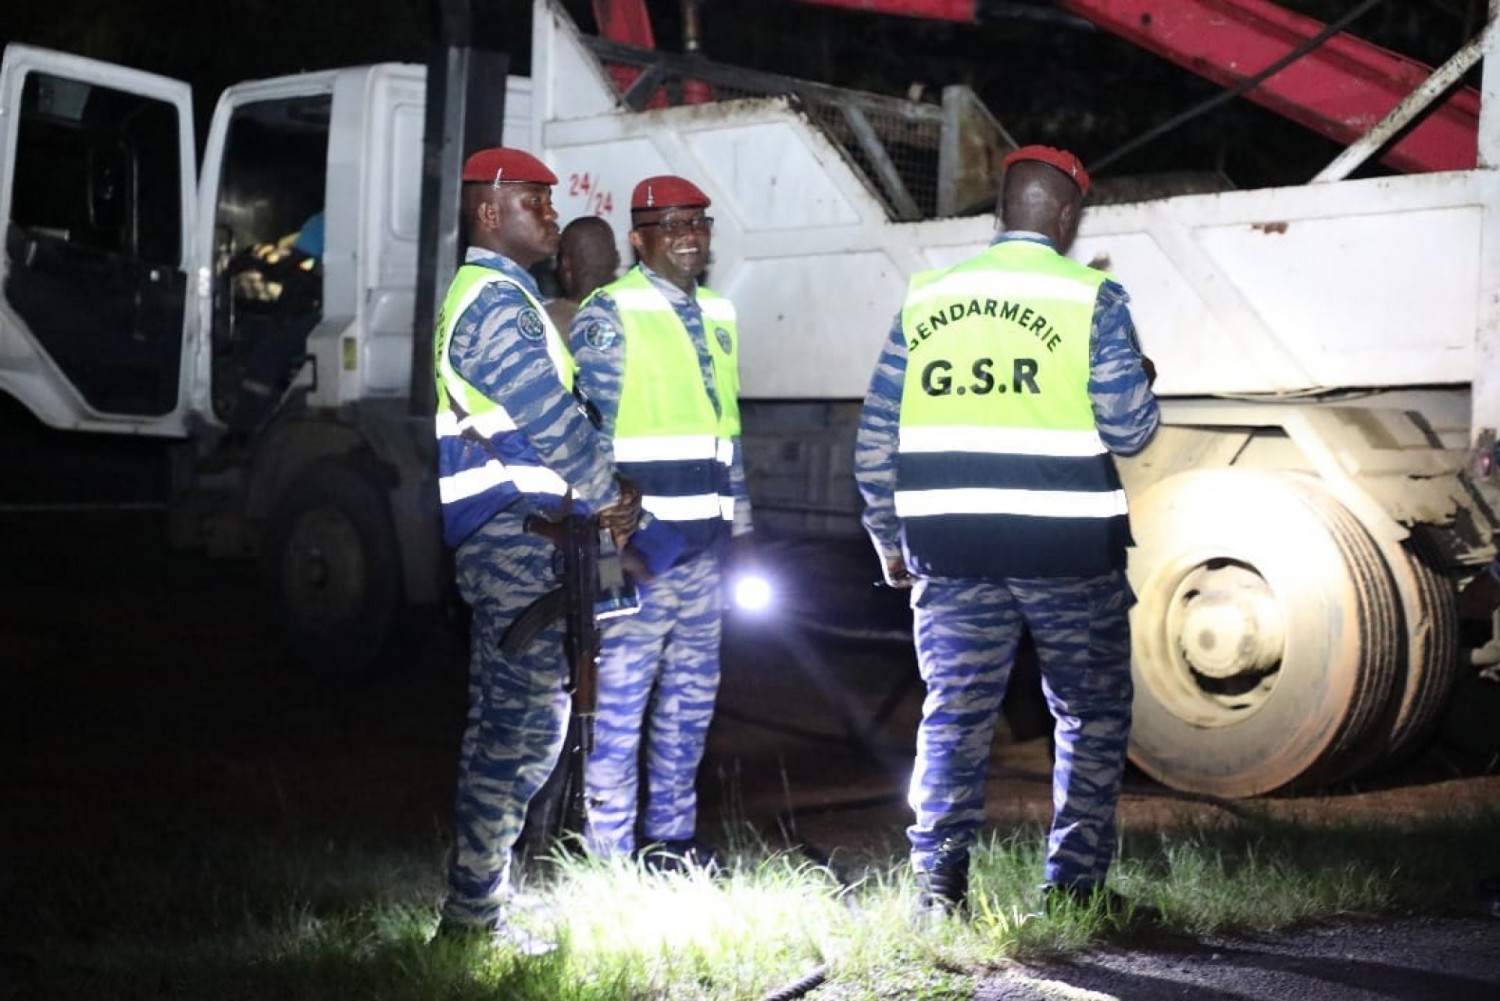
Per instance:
x=1413, y=959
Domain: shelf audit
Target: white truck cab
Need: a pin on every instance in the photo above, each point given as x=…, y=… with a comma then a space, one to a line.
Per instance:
x=116, y=313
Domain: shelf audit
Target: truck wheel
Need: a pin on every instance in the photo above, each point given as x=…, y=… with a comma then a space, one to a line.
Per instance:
x=333, y=573
x=1267, y=639
x=1430, y=613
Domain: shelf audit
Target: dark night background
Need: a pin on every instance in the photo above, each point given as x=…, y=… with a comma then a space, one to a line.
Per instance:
x=1046, y=76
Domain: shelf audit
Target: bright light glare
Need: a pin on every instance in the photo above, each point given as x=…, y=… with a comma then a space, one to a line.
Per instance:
x=683, y=912
x=752, y=592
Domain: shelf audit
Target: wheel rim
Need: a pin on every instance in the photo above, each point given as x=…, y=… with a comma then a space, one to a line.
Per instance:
x=1230, y=636
x=324, y=568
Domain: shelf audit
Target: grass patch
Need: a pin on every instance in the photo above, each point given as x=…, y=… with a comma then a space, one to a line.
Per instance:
x=251, y=918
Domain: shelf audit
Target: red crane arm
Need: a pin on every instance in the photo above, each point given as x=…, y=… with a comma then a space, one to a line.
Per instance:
x=1340, y=89
x=624, y=21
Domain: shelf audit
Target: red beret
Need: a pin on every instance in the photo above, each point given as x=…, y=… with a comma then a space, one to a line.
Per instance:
x=666, y=191
x=1059, y=158
x=501, y=164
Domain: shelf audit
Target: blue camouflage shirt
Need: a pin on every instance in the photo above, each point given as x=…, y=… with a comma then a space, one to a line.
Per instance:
x=489, y=349
x=1125, y=409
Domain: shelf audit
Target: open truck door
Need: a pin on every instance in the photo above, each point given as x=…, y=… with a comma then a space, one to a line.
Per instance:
x=98, y=199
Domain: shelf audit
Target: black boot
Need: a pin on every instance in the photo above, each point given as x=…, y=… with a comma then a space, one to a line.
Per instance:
x=943, y=891
x=943, y=886
x=680, y=856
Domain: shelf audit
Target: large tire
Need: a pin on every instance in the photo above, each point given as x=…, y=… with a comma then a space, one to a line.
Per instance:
x=332, y=570
x=1267, y=641
x=1430, y=613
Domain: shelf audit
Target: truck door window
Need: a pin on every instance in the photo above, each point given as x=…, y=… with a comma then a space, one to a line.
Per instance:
x=95, y=239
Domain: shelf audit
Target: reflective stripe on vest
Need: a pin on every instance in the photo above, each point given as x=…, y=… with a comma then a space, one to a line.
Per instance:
x=484, y=464
x=1000, y=470
x=667, y=435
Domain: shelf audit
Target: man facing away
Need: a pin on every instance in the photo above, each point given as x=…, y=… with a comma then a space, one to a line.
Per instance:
x=586, y=259
x=658, y=354
x=984, y=454
x=513, y=443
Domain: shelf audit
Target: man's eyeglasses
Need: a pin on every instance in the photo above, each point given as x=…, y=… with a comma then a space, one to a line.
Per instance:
x=677, y=227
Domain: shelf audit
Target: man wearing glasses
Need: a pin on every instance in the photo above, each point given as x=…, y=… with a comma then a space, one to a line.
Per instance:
x=658, y=354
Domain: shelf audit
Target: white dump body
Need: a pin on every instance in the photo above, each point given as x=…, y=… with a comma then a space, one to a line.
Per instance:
x=1385, y=282
x=1355, y=284
x=1325, y=356
x=1366, y=283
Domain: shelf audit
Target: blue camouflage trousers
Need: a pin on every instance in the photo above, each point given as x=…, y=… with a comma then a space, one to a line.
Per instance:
x=517, y=720
x=670, y=646
x=967, y=633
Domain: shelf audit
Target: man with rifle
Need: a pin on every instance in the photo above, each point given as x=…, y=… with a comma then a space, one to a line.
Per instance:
x=515, y=444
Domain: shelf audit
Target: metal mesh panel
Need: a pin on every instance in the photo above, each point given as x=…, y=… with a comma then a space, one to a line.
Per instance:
x=892, y=143
x=911, y=144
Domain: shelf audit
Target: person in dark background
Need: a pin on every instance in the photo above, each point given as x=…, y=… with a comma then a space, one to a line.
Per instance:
x=277, y=290
x=513, y=443
x=984, y=457
x=587, y=258
x=658, y=354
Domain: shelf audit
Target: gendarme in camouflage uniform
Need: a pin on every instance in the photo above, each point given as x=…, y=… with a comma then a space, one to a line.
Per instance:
x=512, y=442
x=658, y=354
x=984, y=457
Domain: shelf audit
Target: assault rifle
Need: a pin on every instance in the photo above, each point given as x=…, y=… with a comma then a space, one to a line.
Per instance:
x=594, y=588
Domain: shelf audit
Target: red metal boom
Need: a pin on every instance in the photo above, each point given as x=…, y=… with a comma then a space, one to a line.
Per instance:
x=1340, y=89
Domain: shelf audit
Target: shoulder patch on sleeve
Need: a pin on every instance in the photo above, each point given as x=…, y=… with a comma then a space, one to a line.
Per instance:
x=600, y=336
x=722, y=336
x=530, y=324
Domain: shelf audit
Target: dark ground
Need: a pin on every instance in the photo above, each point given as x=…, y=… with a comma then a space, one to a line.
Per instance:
x=137, y=683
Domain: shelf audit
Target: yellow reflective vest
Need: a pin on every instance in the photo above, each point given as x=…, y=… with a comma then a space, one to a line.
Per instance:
x=1000, y=470
x=484, y=463
x=668, y=435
